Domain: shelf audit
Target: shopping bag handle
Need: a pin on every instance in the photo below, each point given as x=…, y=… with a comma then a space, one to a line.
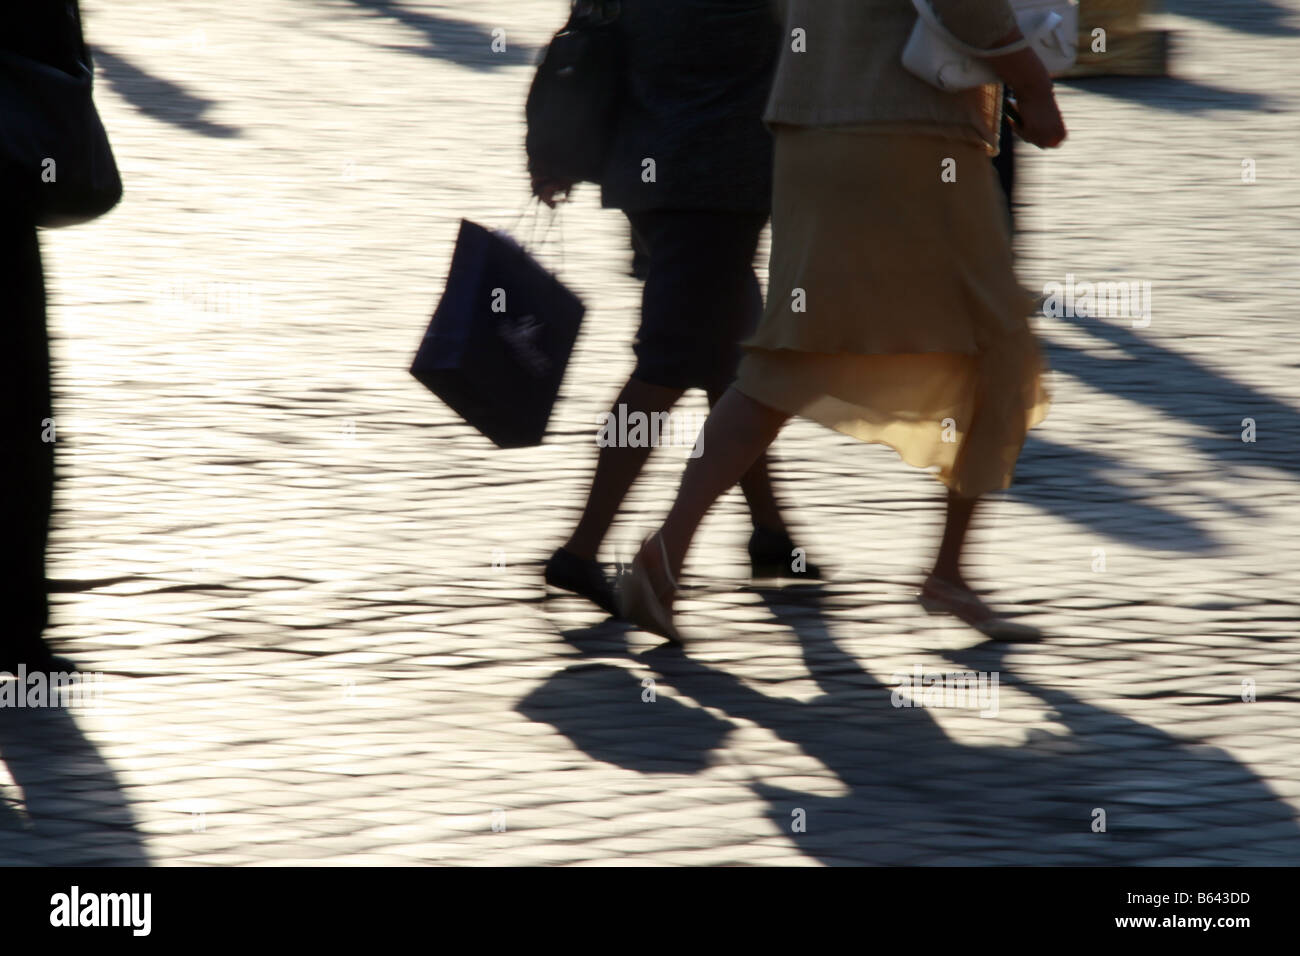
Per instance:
x=532, y=244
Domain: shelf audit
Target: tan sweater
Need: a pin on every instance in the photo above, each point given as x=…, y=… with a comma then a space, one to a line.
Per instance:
x=851, y=71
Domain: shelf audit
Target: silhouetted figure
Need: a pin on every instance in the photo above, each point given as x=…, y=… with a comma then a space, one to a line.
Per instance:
x=43, y=30
x=691, y=168
x=893, y=312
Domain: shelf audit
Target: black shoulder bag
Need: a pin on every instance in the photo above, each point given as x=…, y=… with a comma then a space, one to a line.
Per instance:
x=56, y=167
x=573, y=103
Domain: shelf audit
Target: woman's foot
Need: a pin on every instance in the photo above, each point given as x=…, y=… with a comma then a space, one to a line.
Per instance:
x=648, y=591
x=568, y=572
x=773, y=555
x=945, y=596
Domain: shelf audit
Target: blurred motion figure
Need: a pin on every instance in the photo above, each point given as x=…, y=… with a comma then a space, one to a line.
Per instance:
x=893, y=311
x=690, y=166
x=48, y=31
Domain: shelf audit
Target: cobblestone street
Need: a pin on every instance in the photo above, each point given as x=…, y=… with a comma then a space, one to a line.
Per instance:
x=315, y=594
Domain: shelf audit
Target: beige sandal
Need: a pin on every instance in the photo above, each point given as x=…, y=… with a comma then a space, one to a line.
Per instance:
x=642, y=605
x=938, y=596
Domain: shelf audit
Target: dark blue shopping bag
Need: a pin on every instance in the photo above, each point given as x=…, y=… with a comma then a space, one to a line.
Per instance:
x=500, y=338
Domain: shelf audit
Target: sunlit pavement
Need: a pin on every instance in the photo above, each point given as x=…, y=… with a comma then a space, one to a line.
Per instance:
x=328, y=642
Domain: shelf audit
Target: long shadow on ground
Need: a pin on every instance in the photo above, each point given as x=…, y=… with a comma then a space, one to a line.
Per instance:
x=917, y=796
x=158, y=98
x=75, y=813
x=463, y=42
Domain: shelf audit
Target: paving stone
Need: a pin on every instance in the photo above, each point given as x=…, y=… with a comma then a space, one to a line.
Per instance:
x=309, y=645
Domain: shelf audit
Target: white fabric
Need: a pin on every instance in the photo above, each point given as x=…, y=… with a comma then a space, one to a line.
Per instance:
x=1050, y=29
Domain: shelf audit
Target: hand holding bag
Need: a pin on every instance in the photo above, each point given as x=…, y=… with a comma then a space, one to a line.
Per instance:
x=56, y=166
x=1050, y=29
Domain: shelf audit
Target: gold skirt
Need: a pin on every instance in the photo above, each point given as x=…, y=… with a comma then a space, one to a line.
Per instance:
x=893, y=311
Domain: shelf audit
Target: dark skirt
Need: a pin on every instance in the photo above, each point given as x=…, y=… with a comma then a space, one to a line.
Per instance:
x=701, y=296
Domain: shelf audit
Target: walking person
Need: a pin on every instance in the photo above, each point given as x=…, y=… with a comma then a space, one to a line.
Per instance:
x=27, y=485
x=690, y=166
x=49, y=33
x=893, y=311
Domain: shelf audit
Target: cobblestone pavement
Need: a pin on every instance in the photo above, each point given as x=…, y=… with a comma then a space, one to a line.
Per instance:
x=278, y=549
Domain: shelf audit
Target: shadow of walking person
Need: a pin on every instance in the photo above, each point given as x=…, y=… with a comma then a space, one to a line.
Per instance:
x=1258, y=17
x=158, y=98
x=462, y=42
x=1168, y=800
x=74, y=812
x=1097, y=491
x=1182, y=388
x=1177, y=94
x=607, y=713
x=916, y=795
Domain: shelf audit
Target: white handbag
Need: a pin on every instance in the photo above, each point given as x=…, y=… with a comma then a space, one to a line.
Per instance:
x=1050, y=28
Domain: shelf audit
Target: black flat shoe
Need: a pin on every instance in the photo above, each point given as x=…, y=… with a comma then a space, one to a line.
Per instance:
x=570, y=573
x=773, y=555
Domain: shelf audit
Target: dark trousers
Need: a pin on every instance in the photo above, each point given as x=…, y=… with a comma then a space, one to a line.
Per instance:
x=27, y=485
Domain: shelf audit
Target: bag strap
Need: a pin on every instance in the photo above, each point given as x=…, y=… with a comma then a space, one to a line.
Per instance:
x=533, y=244
x=926, y=12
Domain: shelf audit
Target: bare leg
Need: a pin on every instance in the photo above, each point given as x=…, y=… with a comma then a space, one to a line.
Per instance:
x=616, y=470
x=947, y=565
x=756, y=485
x=738, y=430
x=946, y=589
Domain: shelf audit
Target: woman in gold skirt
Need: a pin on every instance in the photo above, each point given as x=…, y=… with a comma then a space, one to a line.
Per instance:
x=893, y=311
